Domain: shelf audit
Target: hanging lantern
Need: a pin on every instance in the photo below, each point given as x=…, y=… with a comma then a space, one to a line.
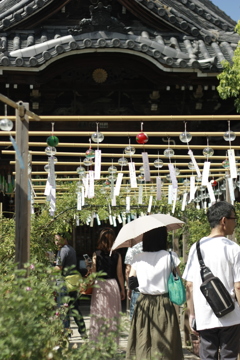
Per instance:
x=87, y=161
x=129, y=150
x=225, y=164
x=50, y=151
x=158, y=163
x=123, y=161
x=52, y=140
x=142, y=138
x=97, y=137
x=185, y=137
x=90, y=153
x=168, y=152
x=213, y=182
x=6, y=125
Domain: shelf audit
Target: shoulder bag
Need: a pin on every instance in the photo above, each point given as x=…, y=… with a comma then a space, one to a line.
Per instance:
x=176, y=289
x=213, y=289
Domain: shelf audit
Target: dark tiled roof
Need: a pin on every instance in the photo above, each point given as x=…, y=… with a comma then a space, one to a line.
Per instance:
x=201, y=36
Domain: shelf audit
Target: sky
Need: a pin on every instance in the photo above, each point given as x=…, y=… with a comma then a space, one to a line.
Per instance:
x=230, y=7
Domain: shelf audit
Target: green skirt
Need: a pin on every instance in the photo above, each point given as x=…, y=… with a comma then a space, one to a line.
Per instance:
x=154, y=332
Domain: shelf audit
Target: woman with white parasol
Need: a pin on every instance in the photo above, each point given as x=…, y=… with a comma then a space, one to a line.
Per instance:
x=154, y=329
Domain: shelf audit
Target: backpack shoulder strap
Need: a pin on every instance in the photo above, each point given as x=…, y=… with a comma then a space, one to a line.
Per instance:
x=200, y=259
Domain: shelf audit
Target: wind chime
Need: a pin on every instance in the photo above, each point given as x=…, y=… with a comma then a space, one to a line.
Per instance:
x=50, y=189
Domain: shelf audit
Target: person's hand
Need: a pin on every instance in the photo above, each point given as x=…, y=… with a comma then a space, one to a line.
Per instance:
x=129, y=294
x=122, y=293
x=192, y=324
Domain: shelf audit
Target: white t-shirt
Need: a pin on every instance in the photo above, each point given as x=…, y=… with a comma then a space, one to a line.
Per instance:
x=153, y=270
x=222, y=256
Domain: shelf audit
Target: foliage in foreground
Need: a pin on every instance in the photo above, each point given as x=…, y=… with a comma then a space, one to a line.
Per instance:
x=30, y=323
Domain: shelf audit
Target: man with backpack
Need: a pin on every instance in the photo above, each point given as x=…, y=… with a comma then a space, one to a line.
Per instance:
x=219, y=336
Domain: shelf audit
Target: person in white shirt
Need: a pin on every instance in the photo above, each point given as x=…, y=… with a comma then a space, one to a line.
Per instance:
x=219, y=337
x=129, y=259
x=154, y=331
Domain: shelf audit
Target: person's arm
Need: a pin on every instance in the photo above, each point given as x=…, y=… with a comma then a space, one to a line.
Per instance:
x=127, y=272
x=94, y=264
x=190, y=304
x=120, y=277
x=178, y=271
x=237, y=291
x=132, y=272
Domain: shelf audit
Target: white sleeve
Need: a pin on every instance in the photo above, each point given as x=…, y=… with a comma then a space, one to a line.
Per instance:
x=188, y=273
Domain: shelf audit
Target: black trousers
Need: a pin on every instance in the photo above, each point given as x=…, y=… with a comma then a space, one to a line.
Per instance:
x=76, y=313
x=220, y=343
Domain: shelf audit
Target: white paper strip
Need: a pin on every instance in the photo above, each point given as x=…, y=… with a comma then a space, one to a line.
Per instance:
x=91, y=185
x=47, y=187
x=92, y=221
x=124, y=219
x=159, y=188
x=132, y=174
x=173, y=175
x=52, y=178
x=119, y=219
x=110, y=219
x=53, y=202
x=127, y=203
x=184, y=201
x=175, y=191
x=231, y=190
x=170, y=194
x=83, y=198
x=79, y=201
x=98, y=220
x=113, y=201
x=232, y=163
x=150, y=204
x=85, y=181
x=192, y=188
x=205, y=175
x=190, y=153
x=140, y=194
x=211, y=193
x=146, y=166
x=114, y=221
x=118, y=184
x=97, y=164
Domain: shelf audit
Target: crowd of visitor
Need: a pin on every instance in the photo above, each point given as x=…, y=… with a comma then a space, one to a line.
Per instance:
x=154, y=330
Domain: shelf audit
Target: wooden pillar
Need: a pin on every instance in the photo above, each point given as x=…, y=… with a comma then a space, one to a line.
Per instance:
x=22, y=203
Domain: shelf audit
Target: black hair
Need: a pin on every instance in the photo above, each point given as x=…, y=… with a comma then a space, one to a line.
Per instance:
x=219, y=210
x=155, y=239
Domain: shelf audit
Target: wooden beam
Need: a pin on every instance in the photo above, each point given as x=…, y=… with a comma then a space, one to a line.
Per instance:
x=144, y=118
x=14, y=105
x=22, y=203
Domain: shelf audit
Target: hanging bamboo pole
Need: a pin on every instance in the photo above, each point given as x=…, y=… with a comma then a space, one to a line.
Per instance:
x=74, y=163
x=125, y=133
x=140, y=118
x=134, y=156
x=119, y=146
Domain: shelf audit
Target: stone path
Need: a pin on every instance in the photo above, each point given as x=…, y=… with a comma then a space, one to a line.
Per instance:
x=77, y=341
